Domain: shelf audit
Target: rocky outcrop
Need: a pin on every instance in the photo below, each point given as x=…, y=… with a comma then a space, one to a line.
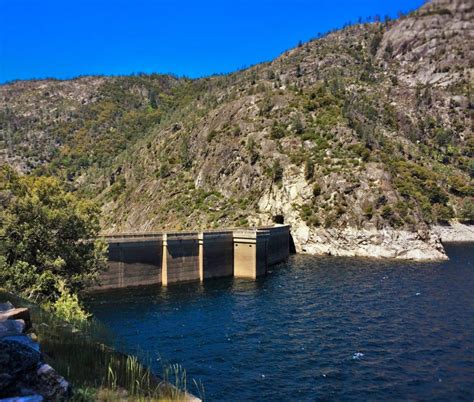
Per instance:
x=23, y=373
x=455, y=232
x=385, y=243
x=366, y=241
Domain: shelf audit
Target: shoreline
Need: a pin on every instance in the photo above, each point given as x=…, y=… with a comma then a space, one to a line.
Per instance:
x=385, y=244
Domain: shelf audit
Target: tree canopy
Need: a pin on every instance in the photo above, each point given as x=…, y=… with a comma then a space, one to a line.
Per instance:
x=49, y=247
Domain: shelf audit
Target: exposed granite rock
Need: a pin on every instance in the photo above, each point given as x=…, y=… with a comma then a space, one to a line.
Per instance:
x=365, y=241
x=11, y=327
x=17, y=314
x=386, y=243
x=6, y=306
x=23, y=374
x=17, y=363
x=455, y=232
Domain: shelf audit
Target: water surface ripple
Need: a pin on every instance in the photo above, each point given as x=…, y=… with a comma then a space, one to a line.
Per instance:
x=315, y=328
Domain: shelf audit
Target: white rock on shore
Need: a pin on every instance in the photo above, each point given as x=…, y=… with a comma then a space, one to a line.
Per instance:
x=455, y=232
x=386, y=243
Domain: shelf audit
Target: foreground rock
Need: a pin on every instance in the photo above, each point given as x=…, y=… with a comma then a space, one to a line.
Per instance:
x=23, y=374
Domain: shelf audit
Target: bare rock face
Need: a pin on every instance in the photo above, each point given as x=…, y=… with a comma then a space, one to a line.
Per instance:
x=362, y=242
x=455, y=232
x=387, y=243
x=431, y=45
x=17, y=361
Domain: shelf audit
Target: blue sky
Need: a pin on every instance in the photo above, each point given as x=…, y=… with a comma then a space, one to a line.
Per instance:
x=63, y=39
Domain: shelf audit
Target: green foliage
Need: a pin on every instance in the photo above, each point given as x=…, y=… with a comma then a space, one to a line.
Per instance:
x=420, y=184
x=375, y=43
x=252, y=150
x=164, y=170
x=309, y=215
x=309, y=169
x=211, y=135
x=277, y=172
x=369, y=211
x=387, y=212
x=467, y=210
x=298, y=125
x=277, y=131
x=67, y=306
x=316, y=189
x=49, y=251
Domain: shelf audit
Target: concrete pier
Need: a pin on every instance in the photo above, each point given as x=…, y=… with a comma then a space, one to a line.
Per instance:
x=250, y=253
x=167, y=258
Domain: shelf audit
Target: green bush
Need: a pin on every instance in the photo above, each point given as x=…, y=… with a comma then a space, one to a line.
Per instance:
x=316, y=189
x=277, y=171
x=277, y=132
x=466, y=212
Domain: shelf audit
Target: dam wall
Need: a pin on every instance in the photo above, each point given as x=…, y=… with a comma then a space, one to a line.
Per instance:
x=180, y=258
x=216, y=252
x=278, y=244
x=168, y=258
x=132, y=262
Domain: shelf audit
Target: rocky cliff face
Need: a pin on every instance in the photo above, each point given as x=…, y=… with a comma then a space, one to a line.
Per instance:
x=361, y=140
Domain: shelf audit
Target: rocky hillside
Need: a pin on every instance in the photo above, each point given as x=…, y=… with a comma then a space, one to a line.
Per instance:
x=362, y=139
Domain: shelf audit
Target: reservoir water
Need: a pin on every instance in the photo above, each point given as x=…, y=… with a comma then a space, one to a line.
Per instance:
x=315, y=328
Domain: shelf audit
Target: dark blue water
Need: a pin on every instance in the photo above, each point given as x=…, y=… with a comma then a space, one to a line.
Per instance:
x=315, y=328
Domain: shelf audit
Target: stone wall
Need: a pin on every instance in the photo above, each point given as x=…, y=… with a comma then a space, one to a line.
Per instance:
x=24, y=375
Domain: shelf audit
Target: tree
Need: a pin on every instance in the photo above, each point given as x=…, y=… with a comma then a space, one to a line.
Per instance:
x=49, y=239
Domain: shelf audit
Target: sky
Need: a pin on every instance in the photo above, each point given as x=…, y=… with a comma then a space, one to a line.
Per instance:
x=194, y=38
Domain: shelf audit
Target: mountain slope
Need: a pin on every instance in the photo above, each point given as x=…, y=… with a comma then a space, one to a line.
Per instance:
x=361, y=140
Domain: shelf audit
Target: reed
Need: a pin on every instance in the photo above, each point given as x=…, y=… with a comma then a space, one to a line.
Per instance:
x=98, y=372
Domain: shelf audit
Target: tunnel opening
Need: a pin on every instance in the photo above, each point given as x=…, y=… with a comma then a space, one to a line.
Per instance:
x=280, y=219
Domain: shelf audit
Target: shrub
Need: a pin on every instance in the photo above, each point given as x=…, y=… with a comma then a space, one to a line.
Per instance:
x=277, y=171
x=277, y=132
x=309, y=169
x=164, y=170
x=316, y=189
x=67, y=306
x=387, y=212
x=211, y=135
x=466, y=212
x=369, y=211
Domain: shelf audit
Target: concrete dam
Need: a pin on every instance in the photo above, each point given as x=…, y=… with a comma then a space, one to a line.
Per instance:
x=167, y=258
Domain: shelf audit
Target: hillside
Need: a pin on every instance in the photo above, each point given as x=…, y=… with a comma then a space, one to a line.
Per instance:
x=362, y=140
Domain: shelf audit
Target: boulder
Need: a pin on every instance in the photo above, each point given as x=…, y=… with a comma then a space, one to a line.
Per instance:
x=17, y=314
x=17, y=363
x=6, y=306
x=11, y=327
x=51, y=385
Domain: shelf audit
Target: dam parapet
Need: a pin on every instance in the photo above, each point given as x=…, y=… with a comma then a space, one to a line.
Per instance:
x=155, y=258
